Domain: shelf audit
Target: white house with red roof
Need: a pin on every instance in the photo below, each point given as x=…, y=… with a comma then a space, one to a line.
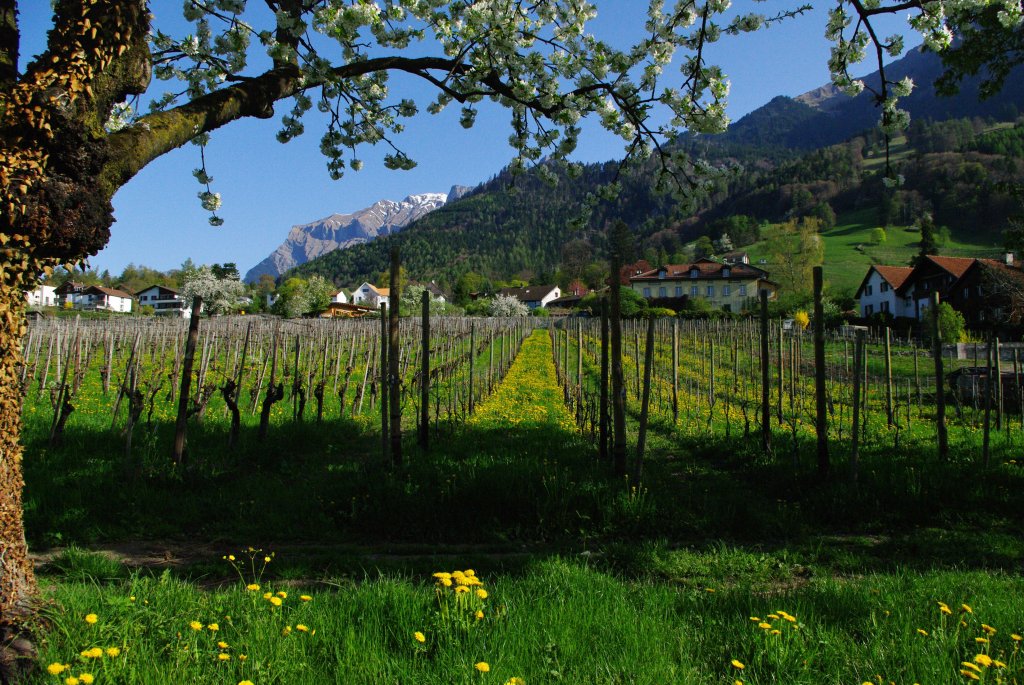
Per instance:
x=729, y=287
x=877, y=292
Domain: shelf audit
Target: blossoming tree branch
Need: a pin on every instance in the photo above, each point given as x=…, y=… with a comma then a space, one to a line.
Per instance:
x=72, y=135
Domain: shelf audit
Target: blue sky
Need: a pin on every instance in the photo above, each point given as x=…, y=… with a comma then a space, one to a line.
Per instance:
x=268, y=187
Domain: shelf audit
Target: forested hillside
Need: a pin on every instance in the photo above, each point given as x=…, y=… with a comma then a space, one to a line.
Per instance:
x=815, y=156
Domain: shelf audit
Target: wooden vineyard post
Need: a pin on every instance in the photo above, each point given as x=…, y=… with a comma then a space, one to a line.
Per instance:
x=181, y=425
x=821, y=409
x=766, y=427
x=858, y=360
x=385, y=434
x=618, y=384
x=602, y=451
x=424, y=435
x=394, y=388
x=888, y=377
x=645, y=403
x=472, y=359
x=940, y=396
x=986, y=456
x=675, y=371
x=999, y=385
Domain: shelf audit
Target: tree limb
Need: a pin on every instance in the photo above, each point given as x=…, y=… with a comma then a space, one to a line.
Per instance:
x=9, y=42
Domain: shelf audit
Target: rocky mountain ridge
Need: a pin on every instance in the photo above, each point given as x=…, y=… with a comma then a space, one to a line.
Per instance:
x=337, y=231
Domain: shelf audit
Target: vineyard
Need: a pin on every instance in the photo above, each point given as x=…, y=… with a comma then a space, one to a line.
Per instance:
x=284, y=541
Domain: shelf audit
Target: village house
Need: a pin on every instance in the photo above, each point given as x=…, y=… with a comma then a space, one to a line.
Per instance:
x=164, y=301
x=100, y=298
x=370, y=295
x=340, y=297
x=534, y=296
x=728, y=287
x=877, y=292
x=68, y=292
x=989, y=293
x=977, y=288
x=42, y=296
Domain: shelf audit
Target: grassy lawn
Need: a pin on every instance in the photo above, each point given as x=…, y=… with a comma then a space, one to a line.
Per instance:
x=849, y=250
x=721, y=567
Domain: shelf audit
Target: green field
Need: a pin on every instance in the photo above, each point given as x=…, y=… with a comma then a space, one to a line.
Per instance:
x=849, y=251
x=721, y=566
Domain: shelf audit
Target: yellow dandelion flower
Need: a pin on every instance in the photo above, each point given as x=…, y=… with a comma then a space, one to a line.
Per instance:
x=970, y=675
x=56, y=668
x=988, y=629
x=195, y=625
x=419, y=637
x=763, y=625
x=223, y=645
x=301, y=627
x=469, y=572
x=709, y=589
x=91, y=618
x=252, y=587
x=305, y=598
x=736, y=663
x=755, y=619
x=515, y=680
x=998, y=664
x=461, y=589
x=983, y=659
x=282, y=594
x=922, y=631
x=276, y=601
x=213, y=627
x=479, y=614
x=223, y=657
x=231, y=557
x=981, y=640
x=113, y=652
x=447, y=582
x=242, y=657
x=776, y=632
x=774, y=617
x=966, y=609
x=266, y=560
x=482, y=666
x=245, y=682
x=71, y=680
x=970, y=665
x=86, y=678
x=1015, y=637
x=286, y=631
x=945, y=610
x=481, y=593
x=268, y=595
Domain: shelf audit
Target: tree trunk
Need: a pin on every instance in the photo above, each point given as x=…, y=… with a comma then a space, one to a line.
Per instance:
x=17, y=583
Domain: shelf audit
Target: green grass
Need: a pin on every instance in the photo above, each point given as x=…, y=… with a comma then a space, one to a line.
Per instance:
x=554, y=620
x=589, y=579
x=849, y=250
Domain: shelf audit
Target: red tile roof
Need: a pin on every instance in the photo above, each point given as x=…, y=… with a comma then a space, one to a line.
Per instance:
x=954, y=265
x=894, y=275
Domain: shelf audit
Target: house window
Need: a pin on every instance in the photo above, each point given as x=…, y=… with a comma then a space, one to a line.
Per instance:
x=694, y=273
x=694, y=291
x=883, y=287
x=662, y=292
x=743, y=291
x=726, y=290
x=679, y=291
x=647, y=292
x=710, y=291
x=885, y=306
x=868, y=289
x=725, y=272
x=868, y=309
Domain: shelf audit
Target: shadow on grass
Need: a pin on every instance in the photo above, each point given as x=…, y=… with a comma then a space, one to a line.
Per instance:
x=709, y=511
